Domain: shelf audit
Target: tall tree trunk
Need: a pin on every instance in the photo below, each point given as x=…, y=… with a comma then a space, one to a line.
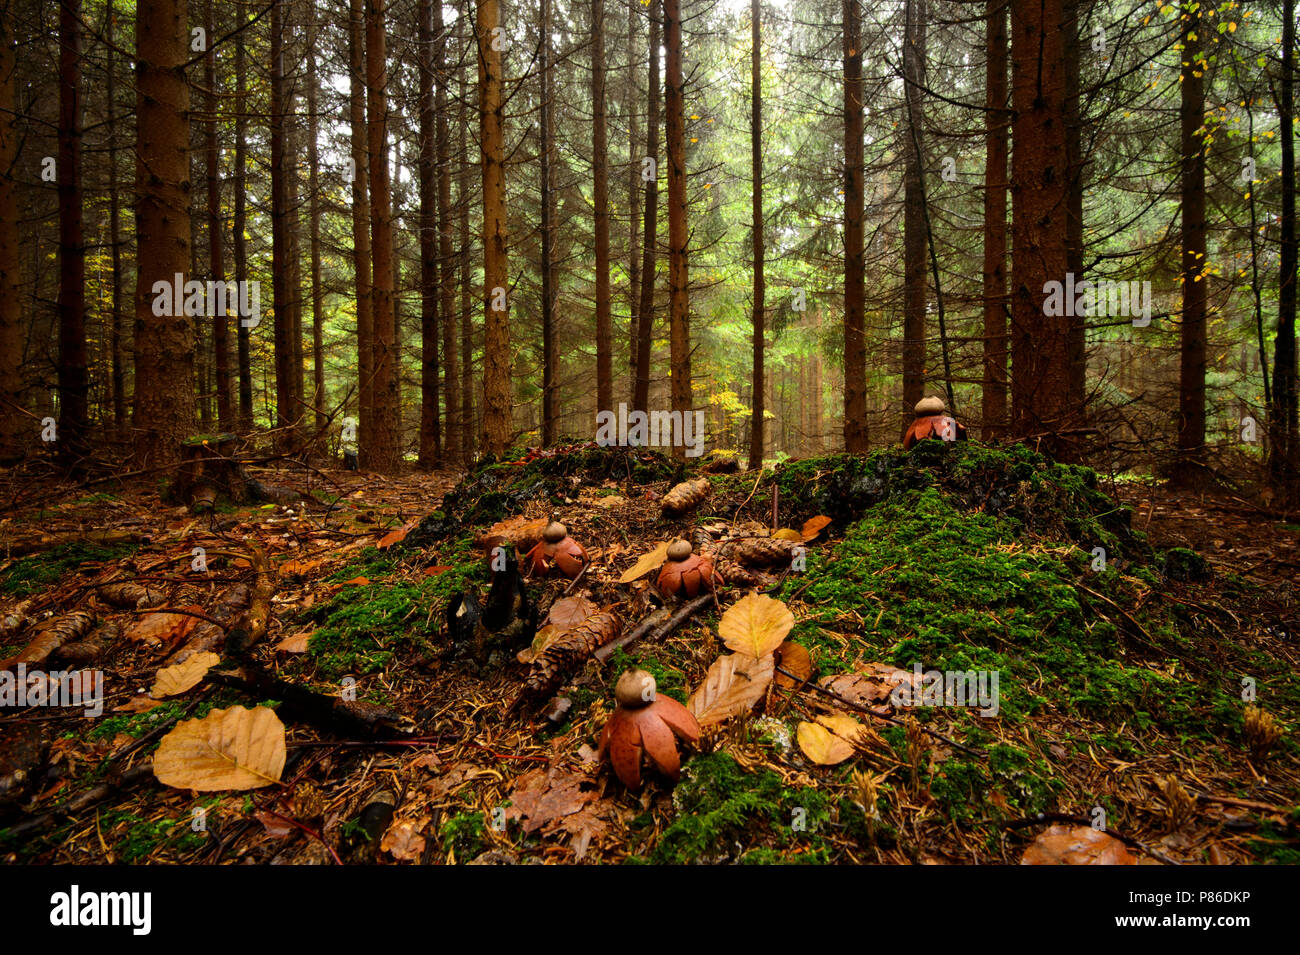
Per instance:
x=118, y=371
x=446, y=263
x=430, y=425
x=914, y=231
x=996, y=124
x=646, y=311
x=498, y=428
x=1284, y=415
x=216, y=230
x=756, y=227
x=1074, y=10
x=678, y=278
x=1192, y=343
x=468, y=430
x=243, y=332
x=384, y=440
x=550, y=348
x=318, y=399
x=164, y=411
x=14, y=425
x=74, y=378
x=600, y=200
x=361, y=253
x=286, y=402
x=633, y=195
x=855, y=350
x=1040, y=164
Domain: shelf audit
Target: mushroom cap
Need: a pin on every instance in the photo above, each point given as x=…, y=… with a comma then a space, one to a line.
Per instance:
x=929, y=405
x=555, y=532
x=679, y=550
x=635, y=689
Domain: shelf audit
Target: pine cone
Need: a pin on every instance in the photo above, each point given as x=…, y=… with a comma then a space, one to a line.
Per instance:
x=129, y=595
x=762, y=551
x=686, y=496
x=563, y=657
x=735, y=573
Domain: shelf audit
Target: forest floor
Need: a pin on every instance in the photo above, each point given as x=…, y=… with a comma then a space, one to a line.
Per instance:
x=1122, y=623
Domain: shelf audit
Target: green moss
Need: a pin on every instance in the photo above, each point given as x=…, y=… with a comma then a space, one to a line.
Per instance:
x=655, y=660
x=464, y=833
x=138, y=724
x=44, y=570
x=135, y=839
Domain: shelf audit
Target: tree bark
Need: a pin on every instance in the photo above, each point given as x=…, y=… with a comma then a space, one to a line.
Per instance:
x=430, y=426
x=361, y=252
x=855, y=354
x=600, y=200
x=118, y=366
x=756, y=424
x=239, y=223
x=1284, y=415
x=914, y=232
x=1040, y=165
x=550, y=348
x=286, y=401
x=498, y=428
x=469, y=431
x=1074, y=209
x=318, y=400
x=381, y=448
x=15, y=427
x=164, y=412
x=446, y=263
x=678, y=277
x=1192, y=331
x=216, y=230
x=646, y=311
x=633, y=196
x=74, y=377
x=996, y=124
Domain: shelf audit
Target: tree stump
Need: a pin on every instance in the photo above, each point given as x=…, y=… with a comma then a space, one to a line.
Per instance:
x=209, y=473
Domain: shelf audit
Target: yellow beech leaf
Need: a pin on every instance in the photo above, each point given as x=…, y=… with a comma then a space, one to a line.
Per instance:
x=827, y=742
x=651, y=561
x=732, y=686
x=236, y=748
x=788, y=534
x=755, y=625
x=172, y=681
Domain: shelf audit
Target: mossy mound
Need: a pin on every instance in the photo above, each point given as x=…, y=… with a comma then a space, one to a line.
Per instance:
x=1048, y=498
x=498, y=488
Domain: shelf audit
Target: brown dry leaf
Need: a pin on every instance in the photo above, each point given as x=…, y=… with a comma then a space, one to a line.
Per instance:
x=828, y=741
x=813, y=526
x=545, y=796
x=236, y=748
x=436, y=569
x=395, y=536
x=568, y=612
x=299, y=568
x=403, y=839
x=1076, y=845
x=519, y=531
x=755, y=625
x=734, y=683
x=296, y=643
x=786, y=534
x=172, y=681
x=870, y=686
x=138, y=704
x=796, y=659
x=170, y=628
x=646, y=563
x=356, y=582
x=276, y=826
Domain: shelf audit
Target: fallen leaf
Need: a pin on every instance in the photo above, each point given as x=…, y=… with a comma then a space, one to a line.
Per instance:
x=568, y=612
x=395, y=536
x=356, y=582
x=138, y=704
x=236, y=748
x=828, y=741
x=813, y=526
x=158, y=628
x=436, y=569
x=299, y=568
x=786, y=534
x=295, y=643
x=734, y=683
x=172, y=681
x=545, y=797
x=796, y=659
x=517, y=531
x=403, y=839
x=755, y=625
x=646, y=563
x=870, y=686
x=276, y=826
x=1076, y=845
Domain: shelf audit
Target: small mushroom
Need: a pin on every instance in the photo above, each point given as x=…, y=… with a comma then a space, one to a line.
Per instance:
x=556, y=551
x=645, y=722
x=687, y=573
